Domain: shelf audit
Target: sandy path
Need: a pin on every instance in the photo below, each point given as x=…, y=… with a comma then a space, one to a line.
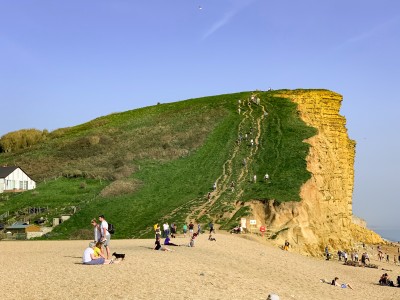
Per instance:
x=231, y=268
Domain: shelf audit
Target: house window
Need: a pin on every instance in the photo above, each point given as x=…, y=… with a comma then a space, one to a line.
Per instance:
x=25, y=185
x=21, y=185
x=10, y=184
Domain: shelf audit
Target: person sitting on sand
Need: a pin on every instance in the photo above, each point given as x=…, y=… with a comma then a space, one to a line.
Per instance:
x=98, y=251
x=191, y=244
x=236, y=229
x=385, y=280
x=159, y=247
x=89, y=257
x=343, y=285
x=167, y=241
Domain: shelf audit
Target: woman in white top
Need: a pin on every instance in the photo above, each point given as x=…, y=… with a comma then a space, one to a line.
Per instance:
x=89, y=257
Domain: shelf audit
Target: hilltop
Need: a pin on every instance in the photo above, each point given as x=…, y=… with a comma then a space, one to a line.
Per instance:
x=158, y=164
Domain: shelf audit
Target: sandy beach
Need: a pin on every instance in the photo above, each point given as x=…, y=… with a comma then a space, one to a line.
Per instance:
x=233, y=267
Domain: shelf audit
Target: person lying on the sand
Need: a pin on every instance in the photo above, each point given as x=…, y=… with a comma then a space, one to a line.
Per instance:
x=385, y=280
x=343, y=285
x=89, y=257
x=167, y=241
x=159, y=247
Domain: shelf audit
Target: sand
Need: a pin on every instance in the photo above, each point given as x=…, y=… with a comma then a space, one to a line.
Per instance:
x=233, y=267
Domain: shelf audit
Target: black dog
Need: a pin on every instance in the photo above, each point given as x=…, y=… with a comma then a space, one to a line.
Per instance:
x=122, y=256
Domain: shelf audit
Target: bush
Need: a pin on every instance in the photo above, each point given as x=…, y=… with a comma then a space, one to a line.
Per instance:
x=21, y=139
x=120, y=187
x=82, y=234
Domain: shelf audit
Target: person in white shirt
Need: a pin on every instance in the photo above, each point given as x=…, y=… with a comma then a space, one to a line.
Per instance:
x=89, y=257
x=105, y=235
x=166, y=229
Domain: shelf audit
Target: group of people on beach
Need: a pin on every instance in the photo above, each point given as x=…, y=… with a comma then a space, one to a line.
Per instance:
x=385, y=280
x=98, y=251
x=167, y=235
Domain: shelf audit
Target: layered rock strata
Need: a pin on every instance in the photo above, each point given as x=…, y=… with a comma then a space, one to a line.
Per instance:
x=324, y=215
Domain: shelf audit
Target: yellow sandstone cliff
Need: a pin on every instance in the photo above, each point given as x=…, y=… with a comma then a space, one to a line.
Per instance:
x=324, y=215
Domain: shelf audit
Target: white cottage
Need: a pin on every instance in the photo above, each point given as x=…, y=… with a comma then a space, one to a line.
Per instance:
x=13, y=179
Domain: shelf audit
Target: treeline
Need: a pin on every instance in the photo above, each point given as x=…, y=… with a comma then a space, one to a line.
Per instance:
x=21, y=139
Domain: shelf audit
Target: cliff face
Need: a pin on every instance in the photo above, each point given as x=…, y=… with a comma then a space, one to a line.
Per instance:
x=324, y=216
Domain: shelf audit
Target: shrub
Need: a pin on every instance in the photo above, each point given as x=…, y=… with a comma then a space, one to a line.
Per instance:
x=120, y=187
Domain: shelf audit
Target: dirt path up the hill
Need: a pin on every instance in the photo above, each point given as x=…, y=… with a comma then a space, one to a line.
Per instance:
x=224, y=180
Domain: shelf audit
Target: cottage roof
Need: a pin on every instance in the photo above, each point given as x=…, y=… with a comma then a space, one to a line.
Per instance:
x=5, y=171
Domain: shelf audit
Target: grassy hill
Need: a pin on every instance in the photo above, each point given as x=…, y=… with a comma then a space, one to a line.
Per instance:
x=158, y=163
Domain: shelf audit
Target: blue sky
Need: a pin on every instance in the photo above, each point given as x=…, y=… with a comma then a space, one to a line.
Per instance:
x=63, y=63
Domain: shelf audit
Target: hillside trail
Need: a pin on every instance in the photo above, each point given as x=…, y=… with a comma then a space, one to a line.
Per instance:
x=224, y=180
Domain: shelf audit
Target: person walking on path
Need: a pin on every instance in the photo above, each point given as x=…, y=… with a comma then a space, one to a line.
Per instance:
x=198, y=228
x=105, y=235
x=211, y=226
x=184, y=228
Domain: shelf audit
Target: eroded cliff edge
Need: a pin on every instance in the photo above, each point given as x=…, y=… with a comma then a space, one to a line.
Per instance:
x=324, y=215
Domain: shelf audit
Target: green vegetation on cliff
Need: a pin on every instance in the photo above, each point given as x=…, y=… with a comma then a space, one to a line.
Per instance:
x=158, y=163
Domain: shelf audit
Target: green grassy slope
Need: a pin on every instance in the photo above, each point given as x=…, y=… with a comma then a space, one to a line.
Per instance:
x=170, y=155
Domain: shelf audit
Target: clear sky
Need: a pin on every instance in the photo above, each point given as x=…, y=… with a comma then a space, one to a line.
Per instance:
x=63, y=63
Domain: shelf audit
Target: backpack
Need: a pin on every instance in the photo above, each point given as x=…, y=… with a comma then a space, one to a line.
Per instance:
x=111, y=228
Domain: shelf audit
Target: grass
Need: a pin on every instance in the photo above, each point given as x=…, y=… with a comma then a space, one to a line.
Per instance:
x=156, y=164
